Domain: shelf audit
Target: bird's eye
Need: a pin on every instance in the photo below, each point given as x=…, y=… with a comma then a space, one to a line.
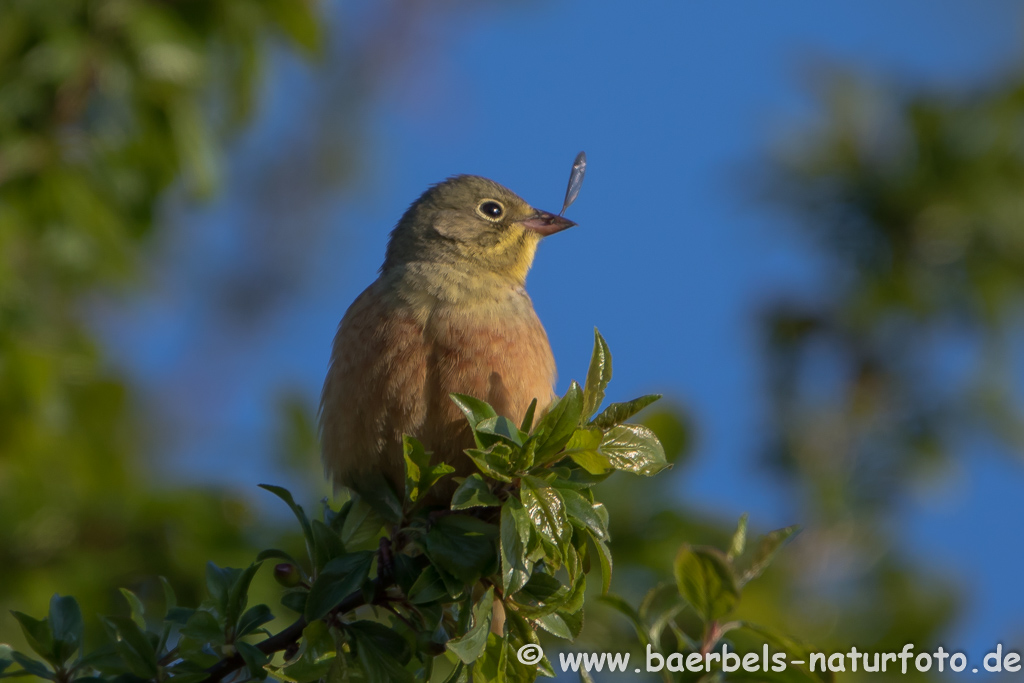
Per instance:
x=491, y=210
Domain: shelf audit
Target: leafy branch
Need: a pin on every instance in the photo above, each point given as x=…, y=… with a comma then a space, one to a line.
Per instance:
x=393, y=588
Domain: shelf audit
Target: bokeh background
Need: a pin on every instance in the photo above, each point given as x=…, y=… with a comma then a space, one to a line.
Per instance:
x=803, y=223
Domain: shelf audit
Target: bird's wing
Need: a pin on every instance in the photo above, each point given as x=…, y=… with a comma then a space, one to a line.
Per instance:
x=374, y=388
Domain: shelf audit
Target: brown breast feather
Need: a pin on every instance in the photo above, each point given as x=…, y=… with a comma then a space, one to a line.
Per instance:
x=392, y=375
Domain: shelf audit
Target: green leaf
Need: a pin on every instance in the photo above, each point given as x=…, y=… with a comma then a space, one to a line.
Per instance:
x=253, y=618
x=420, y=475
x=317, y=651
x=527, y=424
x=546, y=508
x=598, y=376
x=706, y=581
x=584, y=449
x=503, y=428
x=138, y=611
x=555, y=625
x=416, y=461
x=469, y=646
x=376, y=490
x=428, y=587
x=463, y=546
x=605, y=557
x=327, y=544
x=617, y=413
x=37, y=669
x=634, y=448
x=254, y=659
x=362, y=525
x=340, y=577
x=584, y=514
x=474, y=409
x=238, y=593
x=170, y=599
x=38, y=634
x=543, y=587
x=515, y=537
x=767, y=549
x=204, y=627
x=134, y=646
x=495, y=462
x=474, y=492
x=739, y=539
x=300, y=514
x=557, y=426
x=65, y=618
x=381, y=652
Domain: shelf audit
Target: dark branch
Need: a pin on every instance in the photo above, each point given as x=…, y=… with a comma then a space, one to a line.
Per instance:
x=281, y=641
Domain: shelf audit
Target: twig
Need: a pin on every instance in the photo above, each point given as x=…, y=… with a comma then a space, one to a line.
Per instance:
x=283, y=639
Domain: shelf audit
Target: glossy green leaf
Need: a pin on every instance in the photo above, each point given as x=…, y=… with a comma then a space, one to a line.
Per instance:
x=495, y=462
x=598, y=376
x=617, y=413
x=546, y=509
x=604, y=555
x=503, y=428
x=474, y=409
x=557, y=426
x=474, y=492
x=515, y=537
x=634, y=448
x=527, y=425
x=584, y=514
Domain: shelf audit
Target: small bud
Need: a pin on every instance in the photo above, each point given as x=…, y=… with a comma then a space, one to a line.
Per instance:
x=287, y=574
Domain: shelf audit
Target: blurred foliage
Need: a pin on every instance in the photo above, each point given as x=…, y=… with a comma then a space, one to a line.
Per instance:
x=904, y=358
x=103, y=105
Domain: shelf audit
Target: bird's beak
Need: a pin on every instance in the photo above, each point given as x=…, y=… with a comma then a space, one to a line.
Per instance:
x=546, y=223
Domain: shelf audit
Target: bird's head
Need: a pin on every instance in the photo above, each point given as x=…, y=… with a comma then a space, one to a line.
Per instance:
x=474, y=224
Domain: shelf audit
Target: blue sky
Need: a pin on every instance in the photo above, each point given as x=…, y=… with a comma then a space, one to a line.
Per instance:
x=676, y=103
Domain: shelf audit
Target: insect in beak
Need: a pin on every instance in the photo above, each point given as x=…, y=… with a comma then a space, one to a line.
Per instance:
x=579, y=168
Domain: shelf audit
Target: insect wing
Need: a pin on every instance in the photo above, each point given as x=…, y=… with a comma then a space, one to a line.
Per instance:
x=579, y=169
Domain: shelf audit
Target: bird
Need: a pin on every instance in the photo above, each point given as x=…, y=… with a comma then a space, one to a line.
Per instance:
x=448, y=313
